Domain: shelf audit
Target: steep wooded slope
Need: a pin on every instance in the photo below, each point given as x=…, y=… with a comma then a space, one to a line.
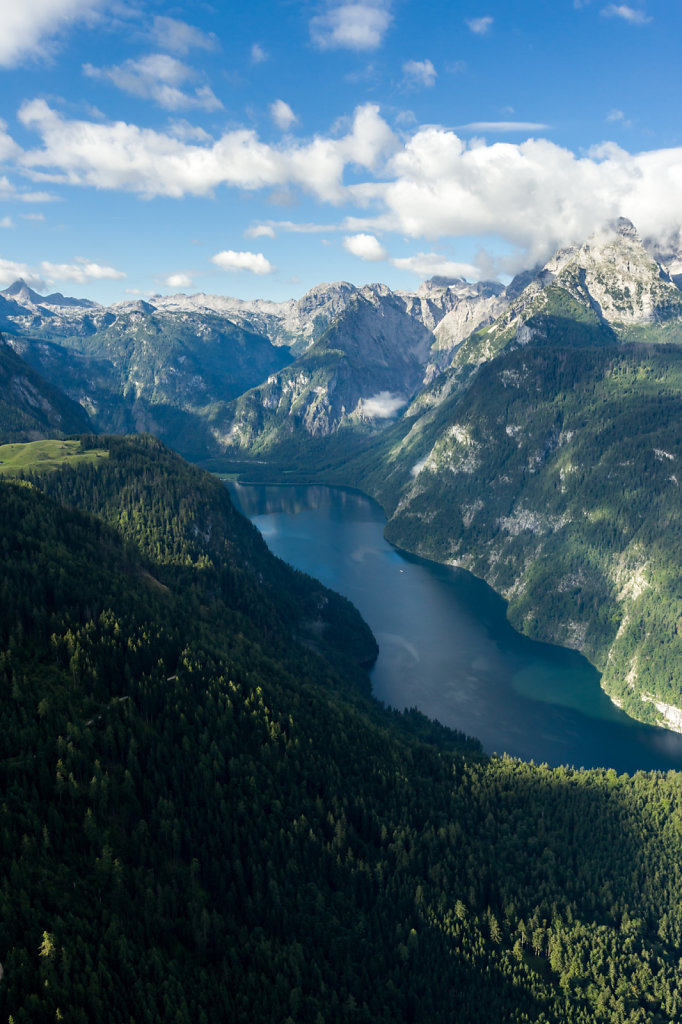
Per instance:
x=205, y=819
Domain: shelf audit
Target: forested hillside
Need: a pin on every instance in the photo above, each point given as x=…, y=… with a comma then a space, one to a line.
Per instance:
x=206, y=817
x=169, y=373
x=30, y=407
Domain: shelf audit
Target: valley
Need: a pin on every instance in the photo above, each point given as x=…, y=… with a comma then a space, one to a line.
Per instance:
x=207, y=816
x=527, y=433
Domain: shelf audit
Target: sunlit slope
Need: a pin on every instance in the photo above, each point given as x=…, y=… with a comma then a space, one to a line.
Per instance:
x=555, y=476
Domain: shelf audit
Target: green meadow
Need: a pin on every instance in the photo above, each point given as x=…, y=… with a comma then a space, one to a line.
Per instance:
x=44, y=456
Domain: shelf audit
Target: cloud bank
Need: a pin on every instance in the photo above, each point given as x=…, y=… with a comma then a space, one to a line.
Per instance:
x=532, y=195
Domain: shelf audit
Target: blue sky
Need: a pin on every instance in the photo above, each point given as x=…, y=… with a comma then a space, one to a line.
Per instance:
x=259, y=150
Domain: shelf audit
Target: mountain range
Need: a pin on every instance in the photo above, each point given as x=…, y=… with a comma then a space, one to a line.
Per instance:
x=528, y=433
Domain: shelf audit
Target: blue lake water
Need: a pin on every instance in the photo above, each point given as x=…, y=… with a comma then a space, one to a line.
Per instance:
x=445, y=644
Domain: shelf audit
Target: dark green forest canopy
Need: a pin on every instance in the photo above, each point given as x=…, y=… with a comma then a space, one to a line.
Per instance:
x=206, y=817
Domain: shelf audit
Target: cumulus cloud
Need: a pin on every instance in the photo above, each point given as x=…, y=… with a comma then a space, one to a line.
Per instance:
x=358, y=26
x=256, y=262
x=282, y=114
x=179, y=281
x=29, y=26
x=157, y=77
x=382, y=406
x=149, y=163
x=6, y=222
x=630, y=14
x=367, y=247
x=480, y=25
x=258, y=54
x=179, y=37
x=80, y=272
x=11, y=271
x=432, y=264
x=8, y=147
x=419, y=72
x=533, y=195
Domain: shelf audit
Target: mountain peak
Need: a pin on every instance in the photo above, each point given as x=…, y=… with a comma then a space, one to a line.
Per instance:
x=625, y=228
x=22, y=293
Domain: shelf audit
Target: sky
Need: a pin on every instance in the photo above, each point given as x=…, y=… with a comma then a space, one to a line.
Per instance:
x=258, y=150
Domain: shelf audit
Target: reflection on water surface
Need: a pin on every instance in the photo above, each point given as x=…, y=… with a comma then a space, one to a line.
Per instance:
x=445, y=643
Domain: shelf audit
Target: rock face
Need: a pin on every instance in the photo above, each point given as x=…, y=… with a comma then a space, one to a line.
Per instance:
x=610, y=285
x=141, y=369
x=619, y=279
x=30, y=408
x=544, y=460
x=170, y=365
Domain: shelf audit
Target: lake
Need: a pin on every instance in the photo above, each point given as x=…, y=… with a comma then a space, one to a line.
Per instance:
x=445, y=644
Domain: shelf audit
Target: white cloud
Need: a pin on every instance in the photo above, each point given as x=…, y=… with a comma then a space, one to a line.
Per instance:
x=431, y=264
x=179, y=37
x=80, y=272
x=367, y=247
x=618, y=117
x=187, y=132
x=258, y=54
x=630, y=14
x=32, y=216
x=10, y=271
x=256, y=262
x=179, y=281
x=6, y=222
x=532, y=195
x=269, y=229
x=419, y=72
x=382, y=406
x=504, y=126
x=282, y=114
x=480, y=25
x=126, y=157
x=8, y=147
x=358, y=26
x=9, y=192
x=28, y=27
x=157, y=77
x=260, y=231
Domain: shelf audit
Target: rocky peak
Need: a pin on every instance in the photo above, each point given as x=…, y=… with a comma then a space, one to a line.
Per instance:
x=22, y=294
x=616, y=275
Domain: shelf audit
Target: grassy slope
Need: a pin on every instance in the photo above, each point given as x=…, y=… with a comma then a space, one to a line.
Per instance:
x=44, y=456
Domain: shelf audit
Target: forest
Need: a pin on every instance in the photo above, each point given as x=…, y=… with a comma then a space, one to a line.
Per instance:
x=206, y=816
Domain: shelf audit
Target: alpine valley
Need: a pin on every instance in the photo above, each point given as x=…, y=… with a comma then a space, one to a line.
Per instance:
x=528, y=433
x=206, y=816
